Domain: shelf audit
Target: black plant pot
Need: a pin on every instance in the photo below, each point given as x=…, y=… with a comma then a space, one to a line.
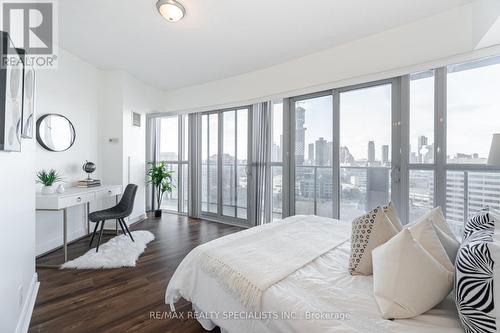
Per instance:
x=158, y=213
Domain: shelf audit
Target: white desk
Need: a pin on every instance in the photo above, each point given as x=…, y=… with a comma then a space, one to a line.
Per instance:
x=75, y=196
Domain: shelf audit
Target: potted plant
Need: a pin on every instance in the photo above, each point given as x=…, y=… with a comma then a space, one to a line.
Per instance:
x=48, y=178
x=162, y=181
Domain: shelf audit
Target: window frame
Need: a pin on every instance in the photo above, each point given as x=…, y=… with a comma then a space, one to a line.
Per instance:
x=400, y=134
x=219, y=216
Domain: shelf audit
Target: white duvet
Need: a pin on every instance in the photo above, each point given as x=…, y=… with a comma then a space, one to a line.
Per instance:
x=319, y=297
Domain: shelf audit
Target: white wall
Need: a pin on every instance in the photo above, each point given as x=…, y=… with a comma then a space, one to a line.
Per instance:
x=140, y=98
x=100, y=105
x=17, y=246
x=73, y=91
x=419, y=45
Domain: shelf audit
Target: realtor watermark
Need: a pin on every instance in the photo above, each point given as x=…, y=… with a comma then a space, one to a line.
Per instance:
x=248, y=315
x=32, y=27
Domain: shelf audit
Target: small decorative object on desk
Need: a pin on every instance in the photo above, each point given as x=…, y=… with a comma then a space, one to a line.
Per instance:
x=88, y=183
x=61, y=189
x=88, y=167
x=48, y=178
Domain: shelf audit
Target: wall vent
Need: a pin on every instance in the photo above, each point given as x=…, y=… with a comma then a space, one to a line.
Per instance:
x=136, y=119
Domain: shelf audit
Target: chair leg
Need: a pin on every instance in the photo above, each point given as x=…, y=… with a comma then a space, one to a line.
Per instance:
x=126, y=227
x=100, y=236
x=121, y=226
x=93, y=234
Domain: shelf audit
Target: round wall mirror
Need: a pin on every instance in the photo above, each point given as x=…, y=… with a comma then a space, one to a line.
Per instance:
x=55, y=132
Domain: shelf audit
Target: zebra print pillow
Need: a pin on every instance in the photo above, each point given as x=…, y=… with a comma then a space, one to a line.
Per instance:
x=474, y=275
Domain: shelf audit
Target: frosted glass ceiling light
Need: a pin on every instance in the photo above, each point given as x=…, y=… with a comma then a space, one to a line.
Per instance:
x=171, y=10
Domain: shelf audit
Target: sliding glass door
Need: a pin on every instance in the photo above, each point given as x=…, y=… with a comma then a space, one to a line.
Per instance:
x=225, y=165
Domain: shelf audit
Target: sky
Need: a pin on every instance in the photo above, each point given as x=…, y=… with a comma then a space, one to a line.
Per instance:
x=473, y=109
x=365, y=115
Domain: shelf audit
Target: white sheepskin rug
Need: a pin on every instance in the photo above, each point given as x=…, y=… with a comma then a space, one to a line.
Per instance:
x=119, y=251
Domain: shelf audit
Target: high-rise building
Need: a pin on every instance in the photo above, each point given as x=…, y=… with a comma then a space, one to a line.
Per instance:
x=310, y=152
x=413, y=157
x=300, y=132
x=345, y=156
x=423, y=150
x=281, y=147
x=385, y=154
x=321, y=152
x=483, y=192
x=275, y=152
x=329, y=153
x=422, y=141
x=371, y=151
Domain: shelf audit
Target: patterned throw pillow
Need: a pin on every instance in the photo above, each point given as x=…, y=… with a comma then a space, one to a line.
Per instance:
x=368, y=232
x=475, y=272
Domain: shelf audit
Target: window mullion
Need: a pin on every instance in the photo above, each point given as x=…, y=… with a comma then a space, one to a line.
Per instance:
x=180, y=146
x=440, y=138
x=220, y=140
x=235, y=197
x=403, y=136
x=289, y=115
x=336, y=156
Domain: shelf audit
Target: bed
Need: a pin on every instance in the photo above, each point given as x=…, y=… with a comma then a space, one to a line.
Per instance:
x=320, y=296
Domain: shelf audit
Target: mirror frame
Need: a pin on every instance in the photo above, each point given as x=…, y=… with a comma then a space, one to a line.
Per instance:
x=40, y=140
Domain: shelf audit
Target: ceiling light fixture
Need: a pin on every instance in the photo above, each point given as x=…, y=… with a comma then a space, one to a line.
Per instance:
x=171, y=10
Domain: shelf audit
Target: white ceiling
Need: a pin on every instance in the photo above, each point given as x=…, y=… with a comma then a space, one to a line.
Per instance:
x=222, y=38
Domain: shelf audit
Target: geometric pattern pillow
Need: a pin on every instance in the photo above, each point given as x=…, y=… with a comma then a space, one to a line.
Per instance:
x=474, y=275
x=481, y=221
x=368, y=231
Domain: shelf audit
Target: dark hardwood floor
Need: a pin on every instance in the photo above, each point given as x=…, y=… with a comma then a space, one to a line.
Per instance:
x=122, y=300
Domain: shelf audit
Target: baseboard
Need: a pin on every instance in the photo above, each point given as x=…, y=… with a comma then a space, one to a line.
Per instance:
x=23, y=323
x=137, y=219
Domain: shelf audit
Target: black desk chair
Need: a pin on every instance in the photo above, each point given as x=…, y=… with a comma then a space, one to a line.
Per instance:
x=118, y=212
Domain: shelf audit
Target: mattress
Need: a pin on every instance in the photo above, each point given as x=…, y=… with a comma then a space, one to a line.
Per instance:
x=319, y=297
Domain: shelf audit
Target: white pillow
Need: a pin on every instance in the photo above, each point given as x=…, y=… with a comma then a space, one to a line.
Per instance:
x=407, y=280
x=450, y=244
x=425, y=234
x=437, y=217
x=443, y=231
x=368, y=232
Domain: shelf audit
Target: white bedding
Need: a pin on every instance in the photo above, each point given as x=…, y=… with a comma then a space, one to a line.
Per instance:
x=245, y=267
x=321, y=288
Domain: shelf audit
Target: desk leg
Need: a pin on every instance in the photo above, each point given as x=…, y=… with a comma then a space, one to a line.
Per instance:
x=87, y=217
x=65, y=234
x=116, y=221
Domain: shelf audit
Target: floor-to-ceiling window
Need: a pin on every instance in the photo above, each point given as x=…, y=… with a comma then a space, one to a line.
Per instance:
x=421, y=139
x=452, y=119
x=473, y=113
x=313, y=154
x=225, y=160
x=365, y=148
x=173, y=149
